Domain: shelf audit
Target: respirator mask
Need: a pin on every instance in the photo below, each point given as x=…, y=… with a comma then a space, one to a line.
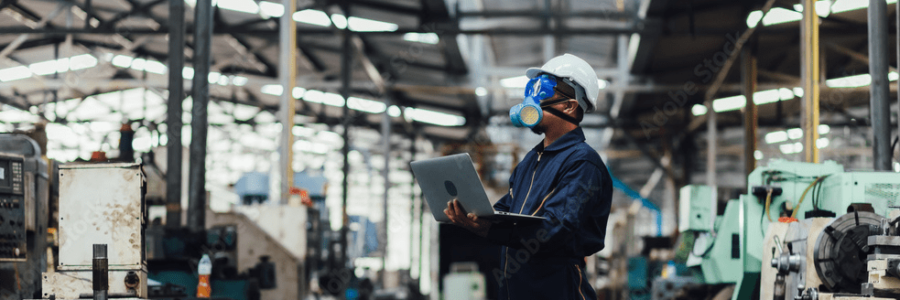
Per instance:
x=530, y=112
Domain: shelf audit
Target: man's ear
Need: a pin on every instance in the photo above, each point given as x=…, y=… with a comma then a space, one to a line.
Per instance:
x=571, y=106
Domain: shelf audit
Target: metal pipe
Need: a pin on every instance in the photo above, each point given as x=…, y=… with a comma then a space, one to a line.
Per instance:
x=202, y=53
x=711, y=164
x=809, y=75
x=748, y=76
x=100, y=273
x=880, y=87
x=287, y=73
x=346, y=64
x=174, y=111
x=386, y=144
x=412, y=206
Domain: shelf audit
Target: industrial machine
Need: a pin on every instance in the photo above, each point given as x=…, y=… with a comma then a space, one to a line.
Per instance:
x=803, y=231
x=23, y=217
x=100, y=204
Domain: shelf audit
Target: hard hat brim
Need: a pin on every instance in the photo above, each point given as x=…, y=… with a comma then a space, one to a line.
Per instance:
x=535, y=72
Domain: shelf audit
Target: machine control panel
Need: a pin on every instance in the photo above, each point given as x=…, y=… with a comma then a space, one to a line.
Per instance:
x=12, y=208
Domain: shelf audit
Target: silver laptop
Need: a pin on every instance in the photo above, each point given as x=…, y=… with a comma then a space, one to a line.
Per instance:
x=453, y=177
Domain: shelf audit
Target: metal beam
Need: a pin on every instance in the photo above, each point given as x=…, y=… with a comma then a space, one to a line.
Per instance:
x=717, y=83
x=853, y=54
x=270, y=33
x=748, y=76
x=346, y=73
x=513, y=71
x=779, y=76
x=202, y=56
x=287, y=74
x=174, y=152
x=643, y=148
x=22, y=38
x=880, y=107
x=540, y=14
x=809, y=74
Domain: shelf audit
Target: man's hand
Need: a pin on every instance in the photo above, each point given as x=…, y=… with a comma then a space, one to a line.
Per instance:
x=458, y=216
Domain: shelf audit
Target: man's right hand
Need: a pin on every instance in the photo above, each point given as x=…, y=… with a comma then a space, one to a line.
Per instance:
x=458, y=216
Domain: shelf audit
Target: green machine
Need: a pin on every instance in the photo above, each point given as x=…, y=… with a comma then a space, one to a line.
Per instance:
x=731, y=252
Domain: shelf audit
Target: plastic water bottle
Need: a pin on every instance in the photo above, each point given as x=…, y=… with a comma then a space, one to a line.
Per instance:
x=204, y=269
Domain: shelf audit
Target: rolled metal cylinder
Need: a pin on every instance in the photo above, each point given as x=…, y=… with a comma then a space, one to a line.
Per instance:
x=100, y=272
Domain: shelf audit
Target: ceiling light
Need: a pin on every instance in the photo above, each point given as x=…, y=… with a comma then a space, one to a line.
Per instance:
x=213, y=77
x=312, y=17
x=753, y=18
x=83, y=61
x=122, y=61
x=729, y=103
x=823, y=8
x=244, y=6
x=14, y=73
x=187, y=73
x=757, y=154
x=272, y=89
x=824, y=129
x=394, y=111
x=791, y=148
x=779, y=15
x=434, y=117
x=153, y=66
x=303, y=131
x=426, y=38
x=481, y=91
x=297, y=92
x=822, y=143
x=850, y=81
x=795, y=133
x=514, y=82
x=50, y=67
x=270, y=10
x=602, y=83
x=339, y=21
x=848, y=5
x=239, y=80
x=776, y=137
x=367, y=25
x=798, y=91
x=369, y=106
x=699, y=109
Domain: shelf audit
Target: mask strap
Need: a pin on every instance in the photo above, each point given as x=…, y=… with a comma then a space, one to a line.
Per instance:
x=562, y=115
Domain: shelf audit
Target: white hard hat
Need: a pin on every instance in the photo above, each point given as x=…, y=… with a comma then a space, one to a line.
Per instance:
x=577, y=70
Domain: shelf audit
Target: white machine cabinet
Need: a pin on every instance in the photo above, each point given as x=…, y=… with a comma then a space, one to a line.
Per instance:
x=100, y=204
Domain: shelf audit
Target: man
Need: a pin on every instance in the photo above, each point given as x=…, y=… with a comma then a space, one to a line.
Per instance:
x=562, y=179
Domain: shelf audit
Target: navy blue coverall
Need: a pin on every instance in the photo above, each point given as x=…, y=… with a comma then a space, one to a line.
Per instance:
x=568, y=184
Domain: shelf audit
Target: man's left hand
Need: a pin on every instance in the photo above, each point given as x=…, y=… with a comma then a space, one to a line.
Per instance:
x=470, y=221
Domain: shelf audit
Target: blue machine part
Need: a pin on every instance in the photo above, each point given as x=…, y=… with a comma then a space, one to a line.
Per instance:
x=369, y=240
x=637, y=196
x=252, y=184
x=638, y=278
x=257, y=184
x=312, y=181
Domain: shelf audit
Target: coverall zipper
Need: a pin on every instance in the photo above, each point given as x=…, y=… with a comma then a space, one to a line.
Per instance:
x=532, y=182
